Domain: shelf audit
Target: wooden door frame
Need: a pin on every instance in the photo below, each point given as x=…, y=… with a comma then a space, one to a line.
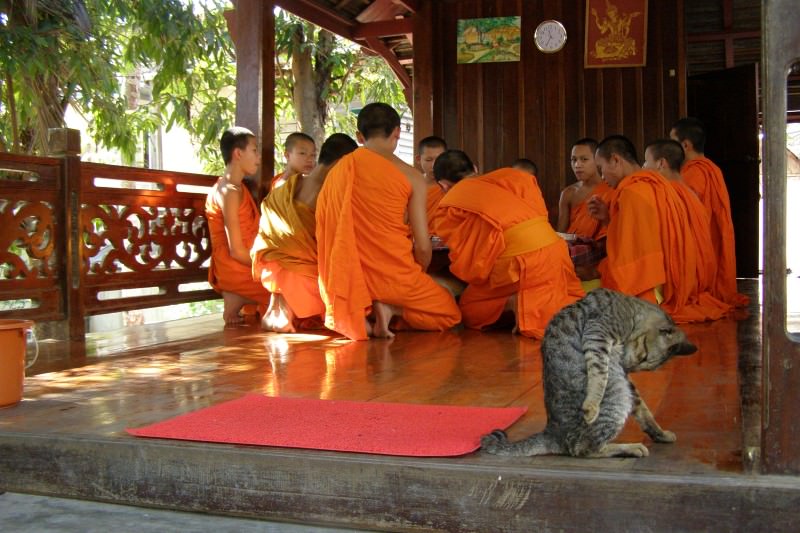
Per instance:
x=780, y=453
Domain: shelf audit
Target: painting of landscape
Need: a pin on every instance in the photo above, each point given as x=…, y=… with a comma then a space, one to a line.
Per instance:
x=488, y=40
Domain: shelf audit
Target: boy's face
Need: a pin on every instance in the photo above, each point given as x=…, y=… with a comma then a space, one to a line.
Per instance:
x=250, y=157
x=428, y=157
x=302, y=157
x=582, y=162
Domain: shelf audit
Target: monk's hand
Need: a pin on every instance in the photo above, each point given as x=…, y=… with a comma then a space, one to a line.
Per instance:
x=423, y=255
x=598, y=209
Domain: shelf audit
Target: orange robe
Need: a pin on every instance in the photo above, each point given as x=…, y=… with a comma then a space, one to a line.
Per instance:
x=285, y=250
x=650, y=244
x=226, y=273
x=435, y=195
x=581, y=222
x=705, y=178
x=365, y=253
x=501, y=243
x=275, y=180
x=699, y=225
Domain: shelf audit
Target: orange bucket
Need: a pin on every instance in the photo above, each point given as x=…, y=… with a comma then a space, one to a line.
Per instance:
x=13, y=348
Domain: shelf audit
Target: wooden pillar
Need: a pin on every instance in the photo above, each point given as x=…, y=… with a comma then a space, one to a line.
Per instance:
x=252, y=27
x=780, y=452
x=423, y=73
x=66, y=143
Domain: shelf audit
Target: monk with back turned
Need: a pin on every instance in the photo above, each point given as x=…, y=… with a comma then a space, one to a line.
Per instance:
x=370, y=270
x=502, y=245
x=705, y=178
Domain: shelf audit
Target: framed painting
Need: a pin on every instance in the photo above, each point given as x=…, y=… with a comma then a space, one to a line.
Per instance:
x=616, y=33
x=489, y=40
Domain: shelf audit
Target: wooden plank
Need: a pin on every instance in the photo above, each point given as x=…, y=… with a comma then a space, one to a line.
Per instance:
x=354, y=491
x=781, y=387
x=383, y=28
x=318, y=14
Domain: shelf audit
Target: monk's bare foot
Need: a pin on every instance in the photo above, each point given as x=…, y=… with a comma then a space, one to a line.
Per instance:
x=279, y=316
x=368, y=327
x=511, y=305
x=383, y=315
x=232, y=303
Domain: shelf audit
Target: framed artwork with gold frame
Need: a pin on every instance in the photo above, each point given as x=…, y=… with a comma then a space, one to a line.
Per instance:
x=616, y=33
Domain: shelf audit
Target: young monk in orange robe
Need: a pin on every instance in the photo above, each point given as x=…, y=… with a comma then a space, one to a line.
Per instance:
x=652, y=252
x=573, y=212
x=428, y=150
x=503, y=246
x=233, y=224
x=285, y=251
x=367, y=262
x=705, y=178
x=665, y=156
x=300, y=152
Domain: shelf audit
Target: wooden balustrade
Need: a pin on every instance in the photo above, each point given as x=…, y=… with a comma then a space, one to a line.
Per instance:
x=77, y=239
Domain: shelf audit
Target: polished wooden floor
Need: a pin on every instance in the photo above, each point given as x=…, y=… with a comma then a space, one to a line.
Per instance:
x=145, y=374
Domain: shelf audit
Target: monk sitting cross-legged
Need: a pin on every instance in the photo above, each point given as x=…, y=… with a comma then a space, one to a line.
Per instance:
x=573, y=213
x=285, y=252
x=233, y=224
x=705, y=178
x=367, y=262
x=652, y=252
x=502, y=245
x=665, y=156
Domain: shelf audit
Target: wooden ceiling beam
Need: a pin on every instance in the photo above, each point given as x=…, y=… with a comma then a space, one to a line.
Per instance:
x=411, y=5
x=379, y=10
x=321, y=16
x=383, y=28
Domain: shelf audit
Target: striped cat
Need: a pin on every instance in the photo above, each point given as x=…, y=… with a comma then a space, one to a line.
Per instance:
x=588, y=349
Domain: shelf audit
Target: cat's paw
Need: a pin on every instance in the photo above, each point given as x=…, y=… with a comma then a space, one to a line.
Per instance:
x=637, y=450
x=494, y=441
x=665, y=436
x=590, y=411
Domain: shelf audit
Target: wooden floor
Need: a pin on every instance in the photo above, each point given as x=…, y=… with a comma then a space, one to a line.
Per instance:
x=84, y=396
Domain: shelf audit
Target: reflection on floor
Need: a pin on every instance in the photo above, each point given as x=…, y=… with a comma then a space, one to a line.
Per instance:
x=200, y=364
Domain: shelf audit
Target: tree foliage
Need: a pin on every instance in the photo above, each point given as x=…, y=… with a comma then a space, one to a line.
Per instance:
x=59, y=52
x=54, y=53
x=343, y=76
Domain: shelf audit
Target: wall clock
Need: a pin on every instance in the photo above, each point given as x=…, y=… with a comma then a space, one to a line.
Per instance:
x=550, y=36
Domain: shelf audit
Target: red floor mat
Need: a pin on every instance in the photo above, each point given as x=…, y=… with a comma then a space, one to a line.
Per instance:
x=364, y=427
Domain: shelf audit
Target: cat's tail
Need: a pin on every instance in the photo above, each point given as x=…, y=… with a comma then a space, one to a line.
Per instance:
x=497, y=443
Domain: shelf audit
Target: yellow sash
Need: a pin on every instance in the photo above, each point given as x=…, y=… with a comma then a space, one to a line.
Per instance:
x=529, y=236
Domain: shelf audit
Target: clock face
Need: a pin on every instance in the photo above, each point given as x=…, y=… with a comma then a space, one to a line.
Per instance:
x=550, y=36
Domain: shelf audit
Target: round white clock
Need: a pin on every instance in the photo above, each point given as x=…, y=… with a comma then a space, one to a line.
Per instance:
x=550, y=36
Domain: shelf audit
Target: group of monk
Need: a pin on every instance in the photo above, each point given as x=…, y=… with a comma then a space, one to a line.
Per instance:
x=344, y=241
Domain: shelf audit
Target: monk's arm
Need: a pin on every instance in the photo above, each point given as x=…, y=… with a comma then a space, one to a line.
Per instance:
x=418, y=217
x=598, y=208
x=231, y=200
x=564, y=208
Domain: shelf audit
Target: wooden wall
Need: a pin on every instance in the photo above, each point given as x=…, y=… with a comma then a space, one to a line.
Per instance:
x=537, y=107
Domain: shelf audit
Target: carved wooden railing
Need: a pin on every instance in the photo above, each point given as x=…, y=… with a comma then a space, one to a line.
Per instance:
x=76, y=238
